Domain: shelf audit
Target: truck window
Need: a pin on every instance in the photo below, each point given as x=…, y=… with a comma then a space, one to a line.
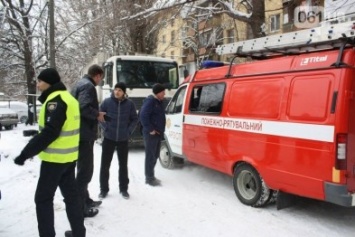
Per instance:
x=207, y=98
x=108, y=75
x=144, y=74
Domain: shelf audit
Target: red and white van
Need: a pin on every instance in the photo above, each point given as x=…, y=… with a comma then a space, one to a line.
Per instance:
x=285, y=124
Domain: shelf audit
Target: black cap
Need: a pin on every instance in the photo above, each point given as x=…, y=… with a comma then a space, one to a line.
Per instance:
x=122, y=86
x=49, y=75
x=157, y=88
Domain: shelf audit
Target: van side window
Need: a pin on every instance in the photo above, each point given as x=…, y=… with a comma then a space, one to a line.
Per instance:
x=175, y=105
x=207, y=98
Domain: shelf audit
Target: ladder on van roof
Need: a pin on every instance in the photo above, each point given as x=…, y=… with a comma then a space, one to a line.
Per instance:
x=319, y=38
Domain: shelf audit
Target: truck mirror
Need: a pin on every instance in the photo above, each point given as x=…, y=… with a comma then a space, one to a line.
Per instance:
x=186, y=73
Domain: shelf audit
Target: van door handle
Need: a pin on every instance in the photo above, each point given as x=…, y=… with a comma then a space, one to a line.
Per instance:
x=177, y=126
x=334, y=102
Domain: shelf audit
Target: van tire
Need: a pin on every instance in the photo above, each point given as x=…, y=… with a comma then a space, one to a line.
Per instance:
x=165, y=158
x=249, y=186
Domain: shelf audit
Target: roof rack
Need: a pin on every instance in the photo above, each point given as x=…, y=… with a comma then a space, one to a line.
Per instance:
x=319, y=38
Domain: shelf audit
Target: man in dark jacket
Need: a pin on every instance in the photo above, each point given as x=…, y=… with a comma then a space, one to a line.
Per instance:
x=57, y=145
x=121, y=119
x=85, y=92
x=152, y=117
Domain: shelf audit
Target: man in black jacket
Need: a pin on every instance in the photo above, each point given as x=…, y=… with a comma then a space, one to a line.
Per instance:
x=85, y=92
x=121, y=119
x=152, y=117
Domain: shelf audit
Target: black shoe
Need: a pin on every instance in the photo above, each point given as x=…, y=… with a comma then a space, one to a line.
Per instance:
x=91, y=212
x=125, y=194
x=94, y=204
x=68, y=233
x=102, y=194
x=153, y=182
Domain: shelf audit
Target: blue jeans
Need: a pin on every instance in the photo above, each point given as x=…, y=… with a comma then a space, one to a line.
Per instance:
x=152, y=151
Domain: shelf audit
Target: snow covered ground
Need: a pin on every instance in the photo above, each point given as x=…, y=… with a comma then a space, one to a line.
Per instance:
x=193, y=201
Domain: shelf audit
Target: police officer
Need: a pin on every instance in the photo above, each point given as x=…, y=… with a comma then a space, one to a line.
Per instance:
x=57, y=145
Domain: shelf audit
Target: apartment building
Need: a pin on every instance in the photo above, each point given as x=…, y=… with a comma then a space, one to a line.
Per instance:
x=191, y=37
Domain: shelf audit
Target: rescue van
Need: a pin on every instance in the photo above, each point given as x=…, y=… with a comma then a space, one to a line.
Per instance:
x=281, y=124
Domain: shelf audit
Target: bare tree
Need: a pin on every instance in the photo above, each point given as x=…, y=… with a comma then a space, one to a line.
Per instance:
x=87, y=27
x=16, y=45
x=254, y=14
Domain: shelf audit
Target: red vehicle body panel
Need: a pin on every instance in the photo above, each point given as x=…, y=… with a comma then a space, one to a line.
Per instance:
x=282, y=116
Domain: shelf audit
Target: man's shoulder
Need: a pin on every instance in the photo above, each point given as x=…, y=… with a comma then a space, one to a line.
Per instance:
x=129, y=101
x=84, y=85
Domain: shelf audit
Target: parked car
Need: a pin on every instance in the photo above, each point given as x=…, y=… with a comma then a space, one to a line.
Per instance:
x=8, y=118
x=19, y=107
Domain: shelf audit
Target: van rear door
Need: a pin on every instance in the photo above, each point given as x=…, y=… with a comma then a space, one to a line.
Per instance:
x=350, y=163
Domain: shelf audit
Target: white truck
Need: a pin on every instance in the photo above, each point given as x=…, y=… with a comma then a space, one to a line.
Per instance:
x=139, y=73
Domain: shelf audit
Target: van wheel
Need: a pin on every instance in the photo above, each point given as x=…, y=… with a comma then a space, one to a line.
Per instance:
x=165, y=157
x=249, y=187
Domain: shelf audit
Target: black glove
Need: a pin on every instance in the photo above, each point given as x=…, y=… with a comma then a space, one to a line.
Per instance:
x=20, y=160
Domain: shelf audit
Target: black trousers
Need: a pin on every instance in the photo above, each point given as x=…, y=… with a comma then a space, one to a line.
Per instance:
x=85, y=170
x=51, y=176
x=108, y=148
x=152, y=152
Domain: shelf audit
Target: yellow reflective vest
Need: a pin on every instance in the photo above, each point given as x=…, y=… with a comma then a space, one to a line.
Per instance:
x=65, y=148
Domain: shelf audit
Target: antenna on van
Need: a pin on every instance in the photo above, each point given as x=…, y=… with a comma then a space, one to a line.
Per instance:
x=315, y=39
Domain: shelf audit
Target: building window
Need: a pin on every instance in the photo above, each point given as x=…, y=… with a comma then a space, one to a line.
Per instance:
x=172, y=22
x=172, y=36
x=163, y=39
x=205, y=38
x=183, y=32
x=230, y=36
x=274, y=23
x=172, y=53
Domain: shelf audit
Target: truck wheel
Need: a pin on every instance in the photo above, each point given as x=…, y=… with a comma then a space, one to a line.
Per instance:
x=249, y=187
x=165, y=158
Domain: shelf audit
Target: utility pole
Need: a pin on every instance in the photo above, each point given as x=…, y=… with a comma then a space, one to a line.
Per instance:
x=51, y=34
